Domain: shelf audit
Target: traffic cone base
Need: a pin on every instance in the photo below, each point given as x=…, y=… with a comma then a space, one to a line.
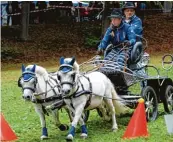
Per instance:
x=6, y=133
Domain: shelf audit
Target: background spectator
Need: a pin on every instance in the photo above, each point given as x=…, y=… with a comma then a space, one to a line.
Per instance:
x=9, y=11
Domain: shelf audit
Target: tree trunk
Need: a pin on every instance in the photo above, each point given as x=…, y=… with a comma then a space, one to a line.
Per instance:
x=105, y=20
x=25, y=20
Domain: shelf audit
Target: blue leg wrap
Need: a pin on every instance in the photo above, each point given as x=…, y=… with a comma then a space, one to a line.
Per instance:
x=72, y=131
x=84, y=129
x=44, y=131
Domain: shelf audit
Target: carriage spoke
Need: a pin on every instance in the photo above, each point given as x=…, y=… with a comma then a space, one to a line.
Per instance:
x=148, y=114
x=151, y=100
x=148, y=96
x=149, y=105
x=146, y=109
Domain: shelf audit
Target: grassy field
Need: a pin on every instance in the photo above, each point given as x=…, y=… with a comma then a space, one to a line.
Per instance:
x=25, y=122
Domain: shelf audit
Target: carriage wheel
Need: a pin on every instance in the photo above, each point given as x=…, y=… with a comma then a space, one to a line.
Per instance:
x=86, y=116
x=151, y=103
x=169, y=98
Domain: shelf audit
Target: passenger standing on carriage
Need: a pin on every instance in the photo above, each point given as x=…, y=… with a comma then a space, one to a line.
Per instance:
x=119, y=34
x=131, y=19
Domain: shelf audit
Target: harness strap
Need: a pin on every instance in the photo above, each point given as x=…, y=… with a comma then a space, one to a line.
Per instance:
x=45, y=111
x=90, y=96
x=58, y=104
x=72, y=95
x=81, y=84
x=32, y=89
x=71, y=103
x=52, y=87
x=56, y=83
x=46, y=99
x=75, y=94
x=46, y=89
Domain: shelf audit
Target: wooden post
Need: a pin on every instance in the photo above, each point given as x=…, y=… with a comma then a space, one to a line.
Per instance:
x=105, y=20
x=25, y=20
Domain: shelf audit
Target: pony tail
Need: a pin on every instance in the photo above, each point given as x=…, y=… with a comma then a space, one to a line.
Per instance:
x=120, y=107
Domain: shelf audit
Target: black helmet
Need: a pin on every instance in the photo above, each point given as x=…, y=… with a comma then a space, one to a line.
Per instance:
x=128, y=5
x=116, y=13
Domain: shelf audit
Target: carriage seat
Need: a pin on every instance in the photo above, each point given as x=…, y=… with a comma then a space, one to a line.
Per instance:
x=136, y=53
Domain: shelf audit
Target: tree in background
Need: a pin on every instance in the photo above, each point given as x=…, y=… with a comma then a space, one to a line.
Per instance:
x=25, y=20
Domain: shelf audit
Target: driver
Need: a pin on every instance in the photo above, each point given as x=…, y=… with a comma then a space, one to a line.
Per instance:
x=119, y=34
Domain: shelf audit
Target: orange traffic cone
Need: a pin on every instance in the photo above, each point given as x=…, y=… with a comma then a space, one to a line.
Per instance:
x=6, y=133
x=137, y=126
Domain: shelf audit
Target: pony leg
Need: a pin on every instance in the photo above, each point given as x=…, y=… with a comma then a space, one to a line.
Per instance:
x=39, y=110
x=84, y=132
x=62, y=127
x=82, y=123
x=103, y=110
x=112, y=109
x=69, y=113
x=78, y=113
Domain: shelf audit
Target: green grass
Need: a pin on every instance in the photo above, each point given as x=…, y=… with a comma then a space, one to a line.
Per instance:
x=25, y=122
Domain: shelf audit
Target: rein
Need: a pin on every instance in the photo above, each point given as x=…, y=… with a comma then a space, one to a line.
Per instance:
x=38, y=94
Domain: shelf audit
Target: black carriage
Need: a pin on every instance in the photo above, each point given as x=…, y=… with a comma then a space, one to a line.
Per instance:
x=154, y=89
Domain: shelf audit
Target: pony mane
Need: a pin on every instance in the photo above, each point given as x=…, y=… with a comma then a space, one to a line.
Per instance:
x=39, y=71
x=75, y=65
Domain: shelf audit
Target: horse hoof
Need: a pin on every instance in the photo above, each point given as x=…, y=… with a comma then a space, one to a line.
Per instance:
x=63, y=127
x=69, y=137
x=114, y=129
x=84, y=135
x=43, y=137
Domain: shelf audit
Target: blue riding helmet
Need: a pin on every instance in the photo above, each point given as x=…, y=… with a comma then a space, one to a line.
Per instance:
x=66, y=66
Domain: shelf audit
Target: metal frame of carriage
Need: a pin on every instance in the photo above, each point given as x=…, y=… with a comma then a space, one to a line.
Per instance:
x=154, y=89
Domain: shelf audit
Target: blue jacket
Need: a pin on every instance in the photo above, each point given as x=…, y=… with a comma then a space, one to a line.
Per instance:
x=118, y=35
x=136, y=24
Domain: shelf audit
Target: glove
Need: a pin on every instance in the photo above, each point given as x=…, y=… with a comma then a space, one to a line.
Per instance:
x=112, y=26
x=126, y=43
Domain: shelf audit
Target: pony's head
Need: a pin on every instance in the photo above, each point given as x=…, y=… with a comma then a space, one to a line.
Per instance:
x=28, y=81
x=67, y=75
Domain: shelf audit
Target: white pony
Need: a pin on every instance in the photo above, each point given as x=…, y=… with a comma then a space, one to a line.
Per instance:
x=87, y=92
x=35, y=79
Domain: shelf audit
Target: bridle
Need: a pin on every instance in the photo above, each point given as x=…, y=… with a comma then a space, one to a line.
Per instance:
x=73, y=83
x=33, y=89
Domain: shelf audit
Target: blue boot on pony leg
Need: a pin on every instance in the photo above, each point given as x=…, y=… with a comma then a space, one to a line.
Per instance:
x=44, y=133
x=71, y=134
x=84, y=133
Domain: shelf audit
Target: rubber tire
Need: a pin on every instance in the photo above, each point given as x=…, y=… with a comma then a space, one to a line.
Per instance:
x=168, y=88
x=144, y=92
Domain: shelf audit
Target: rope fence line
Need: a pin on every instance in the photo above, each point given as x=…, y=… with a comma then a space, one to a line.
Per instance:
x=70, y=7
x=54, y=7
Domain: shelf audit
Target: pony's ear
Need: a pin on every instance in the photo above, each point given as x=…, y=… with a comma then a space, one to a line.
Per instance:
x=23, y=68
x=72, y=61
x=33, y=68
x=61, y=60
